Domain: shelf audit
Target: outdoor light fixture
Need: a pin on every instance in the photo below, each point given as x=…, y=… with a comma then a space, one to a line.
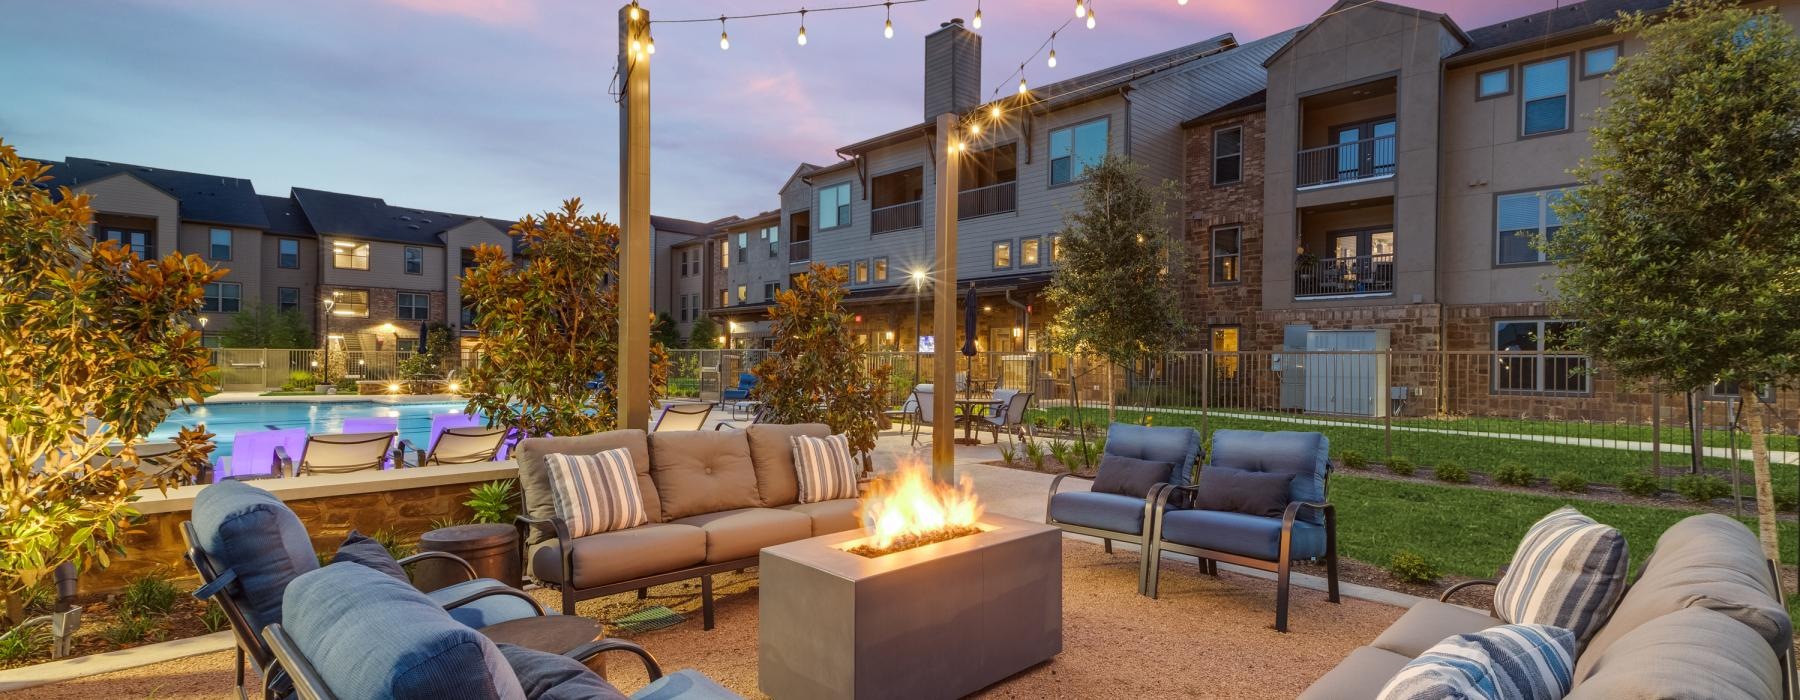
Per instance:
x=888, y=30
x=1022, y=88
x=978, y=12
x=1081, y=9
x=994, y=112
x=394, y=388
x=1090, y=19
x=975, y=129
x=649, y=45
x=802, y=38
x=1052, y=61
x=724, y=39
x=455, y=387
x=635, y=13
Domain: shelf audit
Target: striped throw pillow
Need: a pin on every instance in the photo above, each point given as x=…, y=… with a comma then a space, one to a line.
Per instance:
x=824, y=468
x=1568, y=572
x=1516, y=662
x=596, y=493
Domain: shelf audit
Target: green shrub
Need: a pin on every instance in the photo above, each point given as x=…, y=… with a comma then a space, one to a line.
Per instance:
x=492, y=501
x=1701, y=488
x=1034, y=454
x=38, y=599
x=1640, y=484
x=1451, y=473
x=1514, y=474
x=213, y=618
x=1041, y=423
x=1786, y=500
x=1063, y=453
x=346, y=385
x=299, y=380
x=1064, y=424
x=396, y=546
x=148, y=595
x=1146, y=420
x=1008, y=455
x=1401, y=466
x=1352, y=459
x=1569, y=482
x=129, y=629
x=1412, y=568
x=21, y=643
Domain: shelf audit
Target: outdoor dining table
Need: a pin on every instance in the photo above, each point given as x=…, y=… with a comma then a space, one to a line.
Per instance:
x=968, y=405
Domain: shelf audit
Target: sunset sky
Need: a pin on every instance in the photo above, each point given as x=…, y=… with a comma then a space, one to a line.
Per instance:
x=500, y=107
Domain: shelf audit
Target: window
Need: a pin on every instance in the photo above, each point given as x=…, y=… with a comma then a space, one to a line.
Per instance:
x=222, y=298
x=1028, y=251
x=1728, y=390
x=834, y=206
x=894, y=200
x=1225, y=346
x=1226, y=248
x=287, y=253
x=743, y=293
x=1228, y=155
x=414, y=258
x=137, y=241
x=687, y=305
x=724, y=297
x=287, y=299
x=221, y=244
x=1532, y=357
x=862, y=272
x=1599, y=60
x=1002, y=255
x=466, y=258
x=1519, y=220
x=769, y=290
x=1546, y=97
x=881, y=270
x=743, y=246
x=1493, y=83
x=351, y=303
x=773, y=234
x=412, y=306
x=349, y=255
x=800, y=235
x=1056, y=248
x=1074, y=149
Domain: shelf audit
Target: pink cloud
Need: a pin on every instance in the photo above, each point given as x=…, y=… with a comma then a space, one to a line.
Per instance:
x=484, y=11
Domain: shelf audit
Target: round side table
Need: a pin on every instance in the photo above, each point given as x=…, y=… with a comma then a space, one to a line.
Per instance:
x=556, y=634
x=492, y=548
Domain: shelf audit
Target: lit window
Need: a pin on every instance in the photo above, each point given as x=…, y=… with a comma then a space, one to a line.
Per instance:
x=1225, y=347
x=221, y=244
x=349, y=255
x=1546, y=97
x=1226, y=245
x=1002, y=255
x=414, y=260
x=881, y=270
x=1599, y=60
x=288, y=253
x=834, y=206
x=1056, y=250
x=1074, y=149
x=1533, y=357
x=412, y=306
x=1028, y=252
x=1520, y=220
x=1228, y=155
x=862, y=272
x=222, y=298
x=352, y=303
x=743, y=293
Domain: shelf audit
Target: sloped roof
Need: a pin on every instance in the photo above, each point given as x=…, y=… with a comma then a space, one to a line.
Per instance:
x=1347, y=5
x=334, y=213
x=213, y=199
x=1248, y=104
x=1539, y=25
x=285, y=216
x=684, y=227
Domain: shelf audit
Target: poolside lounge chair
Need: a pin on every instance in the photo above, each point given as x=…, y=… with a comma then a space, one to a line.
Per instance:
x=456, y=446
x=682, y=416
x=337, y=454
x=761, y=415
x=253, y=454
x=155, y=459
x=1113, y=516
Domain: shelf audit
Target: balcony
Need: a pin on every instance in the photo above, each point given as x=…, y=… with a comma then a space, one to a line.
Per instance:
x=1354, y=276
x=1352, y=161
x=982, y=201
x=799, y=251
x=896, y=217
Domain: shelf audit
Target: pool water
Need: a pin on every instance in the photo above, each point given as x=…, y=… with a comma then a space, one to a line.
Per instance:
x=318, y=418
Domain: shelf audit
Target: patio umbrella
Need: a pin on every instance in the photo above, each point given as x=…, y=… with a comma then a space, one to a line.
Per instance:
x=970, y=316
x=423, y=330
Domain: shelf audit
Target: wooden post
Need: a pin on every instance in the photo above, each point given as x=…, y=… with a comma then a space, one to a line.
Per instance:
x=632, y=385
x=943, y=303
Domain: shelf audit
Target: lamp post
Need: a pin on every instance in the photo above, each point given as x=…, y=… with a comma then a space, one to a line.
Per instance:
x=328, y=304
x=918, y=279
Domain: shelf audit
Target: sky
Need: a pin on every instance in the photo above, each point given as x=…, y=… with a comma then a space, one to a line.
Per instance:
x=501, y=107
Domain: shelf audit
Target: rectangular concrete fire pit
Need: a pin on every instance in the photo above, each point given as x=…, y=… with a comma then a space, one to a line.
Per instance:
x=939, y=621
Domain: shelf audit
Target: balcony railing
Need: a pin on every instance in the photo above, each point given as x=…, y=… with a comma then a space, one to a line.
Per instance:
x=1352, y=276
x=1339, y=163
x=982, y=201
x=894, y=217
x=800, y=251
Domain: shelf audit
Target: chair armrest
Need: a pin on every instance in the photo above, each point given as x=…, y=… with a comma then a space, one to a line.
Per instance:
x=591, y=649
x=284, y=463
x=1056, y=482
x=422, y=556
x=1293, y=511
x=551, y=525
x=1445, y=596
x=1161, y=500
x=404, y=446
x=494, y=589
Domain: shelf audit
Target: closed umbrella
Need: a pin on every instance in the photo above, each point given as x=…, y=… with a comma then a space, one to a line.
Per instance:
x=424, y=334
x=970, y=316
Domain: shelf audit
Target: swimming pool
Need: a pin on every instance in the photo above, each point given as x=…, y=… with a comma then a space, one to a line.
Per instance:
x=223, y=420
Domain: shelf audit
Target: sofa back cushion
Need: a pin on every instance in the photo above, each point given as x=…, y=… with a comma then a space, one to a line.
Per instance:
x=1175, y=445
x=1568, y=571
x=247, y=532
x=1305, y=455
x=702, y=472
x=772, y=453
x=1515, y=662
x=534, y=474
x=1690, y=653
x=1706, y=561
x=370, y=636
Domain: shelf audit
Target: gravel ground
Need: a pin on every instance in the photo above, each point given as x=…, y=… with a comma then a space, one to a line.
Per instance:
x=1219, y=629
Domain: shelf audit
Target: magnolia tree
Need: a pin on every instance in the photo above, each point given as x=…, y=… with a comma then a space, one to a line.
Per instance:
x=818, y=372
x=1114, y=290
x=96, y=346
x=1680, y=250
x=548, y=327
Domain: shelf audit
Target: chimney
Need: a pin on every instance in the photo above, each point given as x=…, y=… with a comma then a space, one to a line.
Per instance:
x=952, y=70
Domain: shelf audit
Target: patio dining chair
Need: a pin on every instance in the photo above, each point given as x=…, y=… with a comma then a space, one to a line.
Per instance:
x=926, y=412
x=682, y=416
x=337, y=454
x=1008, y=415
x=456, y=446
x=907, y=412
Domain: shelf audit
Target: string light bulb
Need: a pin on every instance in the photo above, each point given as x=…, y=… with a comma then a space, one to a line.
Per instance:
x=887, y=30
x=1182, y=3
x=1022, y=88
x=635, y=12
x=1081, y=8
x=1052, y=60
x=650, y=45
x=994, y=112
x=974, y=129
x=724, y=39
x=802, y=38
x=977, y=14
x=1090, y=16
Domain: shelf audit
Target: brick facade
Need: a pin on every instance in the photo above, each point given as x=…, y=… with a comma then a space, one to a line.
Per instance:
x=1215, y=207
x=384, y=310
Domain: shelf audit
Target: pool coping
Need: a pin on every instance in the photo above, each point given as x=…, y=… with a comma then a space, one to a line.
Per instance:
x=225, y=398
x=180, y=499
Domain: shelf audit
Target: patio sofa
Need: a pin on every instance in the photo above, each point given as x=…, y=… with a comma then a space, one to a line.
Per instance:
x=1704, y=619
x=714, y=500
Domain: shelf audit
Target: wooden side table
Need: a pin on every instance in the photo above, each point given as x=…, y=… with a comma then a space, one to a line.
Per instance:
x=556, y=634
x=492, y=548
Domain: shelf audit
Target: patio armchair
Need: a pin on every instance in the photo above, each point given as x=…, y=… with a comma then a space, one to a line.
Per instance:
x=336, y=454
x=1305, y=529
x=682, y=416
x=1112, y=516
x=456, y=446
x=248, y=546
x=746, y=381
x=1008, y=414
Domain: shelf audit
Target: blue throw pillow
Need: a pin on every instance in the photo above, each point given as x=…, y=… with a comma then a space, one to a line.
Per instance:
x=1510, y=662
x=1239, y=491
x=1127, y=476
x=359, y=549
x=547, y=676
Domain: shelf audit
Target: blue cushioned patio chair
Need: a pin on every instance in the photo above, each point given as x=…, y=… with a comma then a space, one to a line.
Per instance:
x=1306, y=529
x=1111, y=516
x=746, y=381
x=348, y=631
x=248, y=546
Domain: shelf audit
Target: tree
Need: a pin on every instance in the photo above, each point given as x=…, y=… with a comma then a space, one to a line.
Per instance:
x=1115, y=289
x=818, y=371
x=548, y=327
x=96, y=346
x=1680, y=249
x=664, y=331
x=704, y=335
x=261, y=326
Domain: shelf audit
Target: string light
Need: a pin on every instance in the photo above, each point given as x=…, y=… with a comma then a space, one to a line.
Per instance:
x=802, y=38
x=635, y=13
x=1052, y=60
x=649, y=45
x=1081, y=9
x=1090, y=18
x=888, y=29
x=994, y=112
x=975, y=129
x=977, y=14
x=1182, y=3
x=724, y=39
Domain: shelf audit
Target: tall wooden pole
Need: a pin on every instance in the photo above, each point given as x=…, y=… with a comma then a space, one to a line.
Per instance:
x=943, y=303
x=632, y=386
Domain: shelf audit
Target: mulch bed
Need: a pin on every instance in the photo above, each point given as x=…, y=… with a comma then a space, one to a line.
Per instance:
x=103, y=614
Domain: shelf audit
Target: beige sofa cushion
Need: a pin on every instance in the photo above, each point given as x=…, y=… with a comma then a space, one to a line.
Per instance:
x=622, y=555
x=736, y=534
x=1706, y=561
x=829, y=516
x=1359, y=676
x=700, y=472
x=1691, y=653
x=534, y=475
x=772, y=453
x=1426, y=624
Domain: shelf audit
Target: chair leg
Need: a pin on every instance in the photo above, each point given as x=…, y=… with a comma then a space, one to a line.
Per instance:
x=643, y=593
x=706, y=602
x=568, y=599
x=1108, y=545
x=1154, y=575
x=1281, y=596
x=243, y=694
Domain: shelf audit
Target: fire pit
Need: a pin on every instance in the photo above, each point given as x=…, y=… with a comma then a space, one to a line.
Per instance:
x=932, y=599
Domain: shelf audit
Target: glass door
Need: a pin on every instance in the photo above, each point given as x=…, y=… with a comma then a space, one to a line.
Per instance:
x=1365, y=149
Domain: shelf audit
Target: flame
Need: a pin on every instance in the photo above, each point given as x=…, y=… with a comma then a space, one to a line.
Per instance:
x=909, y=504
